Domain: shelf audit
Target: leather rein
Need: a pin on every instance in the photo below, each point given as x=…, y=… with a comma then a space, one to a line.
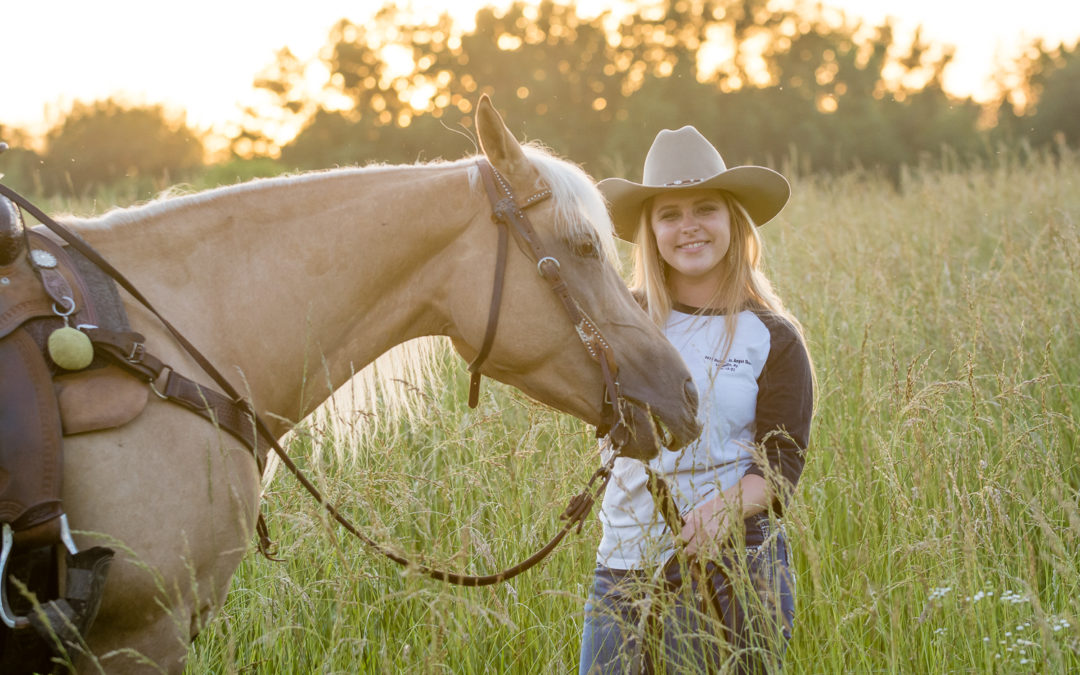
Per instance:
x=506, y=214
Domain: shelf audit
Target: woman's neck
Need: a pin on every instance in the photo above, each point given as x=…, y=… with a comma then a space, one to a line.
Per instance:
x=700, y=294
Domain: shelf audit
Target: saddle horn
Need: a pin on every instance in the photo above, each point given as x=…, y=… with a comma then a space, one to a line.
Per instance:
x=12, y=237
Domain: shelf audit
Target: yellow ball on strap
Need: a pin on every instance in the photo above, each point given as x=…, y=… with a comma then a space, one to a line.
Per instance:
x=70, y=349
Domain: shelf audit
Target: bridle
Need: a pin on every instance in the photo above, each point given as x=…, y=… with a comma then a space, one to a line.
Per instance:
x=506, y=214
x=509, y=216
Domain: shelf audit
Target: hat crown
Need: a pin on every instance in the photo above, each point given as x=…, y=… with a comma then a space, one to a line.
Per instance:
x=681, y=157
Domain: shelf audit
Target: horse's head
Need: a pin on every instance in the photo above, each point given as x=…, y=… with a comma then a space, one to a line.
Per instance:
x=568, y=332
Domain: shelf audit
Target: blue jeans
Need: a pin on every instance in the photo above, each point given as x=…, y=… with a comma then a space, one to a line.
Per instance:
x=651, y=622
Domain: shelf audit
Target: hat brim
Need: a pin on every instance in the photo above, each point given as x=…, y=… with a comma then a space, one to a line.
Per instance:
x=761, y=191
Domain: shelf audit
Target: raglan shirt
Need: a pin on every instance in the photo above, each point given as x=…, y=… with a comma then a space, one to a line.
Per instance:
x=756, y=404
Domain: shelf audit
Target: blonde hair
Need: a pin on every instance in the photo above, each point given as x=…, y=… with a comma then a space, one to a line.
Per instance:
x=744, y=285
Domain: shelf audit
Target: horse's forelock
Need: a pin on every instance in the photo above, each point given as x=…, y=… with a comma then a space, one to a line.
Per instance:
x=580, y=208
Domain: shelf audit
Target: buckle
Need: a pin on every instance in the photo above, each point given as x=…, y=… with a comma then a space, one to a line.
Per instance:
x=137, y=351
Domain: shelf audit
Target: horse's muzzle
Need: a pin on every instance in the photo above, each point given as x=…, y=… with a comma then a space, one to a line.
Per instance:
x=651, y=429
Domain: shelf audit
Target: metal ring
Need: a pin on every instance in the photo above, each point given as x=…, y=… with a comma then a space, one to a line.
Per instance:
x=154, y=389
x=541, y=261
x=67, y=313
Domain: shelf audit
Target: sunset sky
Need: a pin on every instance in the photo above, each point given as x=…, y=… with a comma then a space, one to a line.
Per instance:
x=202, y=55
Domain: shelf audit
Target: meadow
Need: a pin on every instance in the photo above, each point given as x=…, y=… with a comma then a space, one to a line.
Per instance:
x=936, y=528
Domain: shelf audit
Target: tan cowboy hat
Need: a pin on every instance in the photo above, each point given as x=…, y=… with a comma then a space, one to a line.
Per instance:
x=684, y=159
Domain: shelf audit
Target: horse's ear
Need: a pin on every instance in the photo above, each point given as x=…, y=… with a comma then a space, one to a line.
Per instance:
x=498, y=144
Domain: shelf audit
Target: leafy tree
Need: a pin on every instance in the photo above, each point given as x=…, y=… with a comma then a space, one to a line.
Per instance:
x=19, y=165
x=102, y=142
x=1053, y=88
x=289, y=107
x=597, y=89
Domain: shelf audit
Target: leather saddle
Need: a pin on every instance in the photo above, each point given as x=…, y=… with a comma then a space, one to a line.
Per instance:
x=43, y=288
x=50, y=284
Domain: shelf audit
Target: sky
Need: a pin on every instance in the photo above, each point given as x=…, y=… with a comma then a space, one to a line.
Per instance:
x=201, y=56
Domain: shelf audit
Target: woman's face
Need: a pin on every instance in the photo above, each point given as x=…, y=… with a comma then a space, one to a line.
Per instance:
x=693, y=232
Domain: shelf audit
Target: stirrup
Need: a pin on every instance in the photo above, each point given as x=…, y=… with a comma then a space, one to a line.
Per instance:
x=6, y=613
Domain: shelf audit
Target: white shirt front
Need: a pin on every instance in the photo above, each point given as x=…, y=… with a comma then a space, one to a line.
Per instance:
x=634, y=534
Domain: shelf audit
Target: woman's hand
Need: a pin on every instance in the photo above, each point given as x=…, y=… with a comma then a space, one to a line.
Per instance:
x=704, y=526
x=708, y=524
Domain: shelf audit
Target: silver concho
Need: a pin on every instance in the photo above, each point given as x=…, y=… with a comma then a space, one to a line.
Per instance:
x=43, y=258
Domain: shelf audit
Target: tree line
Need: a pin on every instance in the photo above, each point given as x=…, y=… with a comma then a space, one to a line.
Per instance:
x=804, y=86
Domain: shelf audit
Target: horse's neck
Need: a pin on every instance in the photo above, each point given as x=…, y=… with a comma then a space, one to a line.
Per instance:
x=328, y=271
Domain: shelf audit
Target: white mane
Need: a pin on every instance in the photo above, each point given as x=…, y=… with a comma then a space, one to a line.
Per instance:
x=580, y=208
x=176, y=197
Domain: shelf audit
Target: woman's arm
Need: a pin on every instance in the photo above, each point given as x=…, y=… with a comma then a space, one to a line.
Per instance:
x=707, y=525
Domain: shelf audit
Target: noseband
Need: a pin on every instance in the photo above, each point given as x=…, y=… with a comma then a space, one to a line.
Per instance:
x=508, y=216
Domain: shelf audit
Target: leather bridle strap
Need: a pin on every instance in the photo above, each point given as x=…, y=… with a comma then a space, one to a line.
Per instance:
x=493, y=314
x=507, y=214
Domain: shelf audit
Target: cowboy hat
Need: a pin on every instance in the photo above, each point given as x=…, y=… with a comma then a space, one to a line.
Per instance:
x=684, y=159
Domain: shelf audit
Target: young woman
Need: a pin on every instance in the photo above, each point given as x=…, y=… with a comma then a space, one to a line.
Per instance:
x=706, y=587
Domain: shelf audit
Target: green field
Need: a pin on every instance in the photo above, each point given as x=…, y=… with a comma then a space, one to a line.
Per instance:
x=936, y=528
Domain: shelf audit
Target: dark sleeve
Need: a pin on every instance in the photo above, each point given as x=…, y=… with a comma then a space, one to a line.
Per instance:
x=785, y=407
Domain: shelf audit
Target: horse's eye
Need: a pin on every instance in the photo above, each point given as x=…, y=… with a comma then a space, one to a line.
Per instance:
x=586, y=248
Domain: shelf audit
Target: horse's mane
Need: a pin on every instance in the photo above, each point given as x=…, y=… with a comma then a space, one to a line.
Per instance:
x=580, y=206
x=182, y=196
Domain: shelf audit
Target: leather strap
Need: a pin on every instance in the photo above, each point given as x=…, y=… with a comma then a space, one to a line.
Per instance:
x=493, y=315
x=30, y=443
x=236, y=417
x=127, y=349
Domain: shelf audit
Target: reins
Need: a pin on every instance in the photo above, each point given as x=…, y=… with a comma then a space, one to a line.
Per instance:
x=506, y=213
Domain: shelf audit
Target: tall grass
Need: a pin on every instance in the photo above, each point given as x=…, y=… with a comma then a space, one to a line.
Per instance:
x=936, y=527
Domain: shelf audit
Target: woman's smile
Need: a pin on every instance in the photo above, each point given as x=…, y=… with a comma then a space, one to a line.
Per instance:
x=694, y=245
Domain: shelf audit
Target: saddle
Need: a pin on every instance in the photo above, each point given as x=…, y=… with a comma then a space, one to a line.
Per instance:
x=69, y=364
x=41, y=401
x=42, y=288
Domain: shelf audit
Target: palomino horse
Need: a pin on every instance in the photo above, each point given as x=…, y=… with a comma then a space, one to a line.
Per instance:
x=334, y=267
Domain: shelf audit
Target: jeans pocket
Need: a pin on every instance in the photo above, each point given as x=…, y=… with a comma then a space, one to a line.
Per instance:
x=774, y=582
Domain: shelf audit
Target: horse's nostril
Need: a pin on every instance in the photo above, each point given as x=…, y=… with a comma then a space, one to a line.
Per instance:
x=691, y=393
